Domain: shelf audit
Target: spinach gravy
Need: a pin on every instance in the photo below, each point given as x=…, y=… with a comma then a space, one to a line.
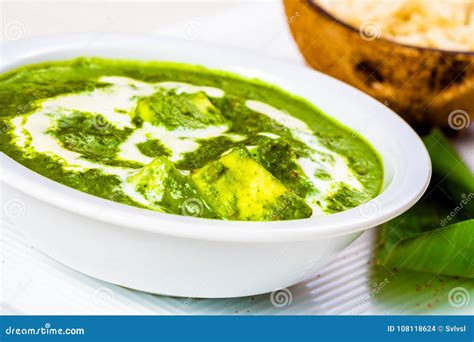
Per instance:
x=183, y=139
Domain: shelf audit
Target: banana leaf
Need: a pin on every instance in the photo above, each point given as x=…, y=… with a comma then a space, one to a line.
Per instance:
x=437, y=234
x=448, y=250
x=449, y=171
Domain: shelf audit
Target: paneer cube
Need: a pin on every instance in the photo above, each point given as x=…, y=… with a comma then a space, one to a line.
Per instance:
x=163, y=185
x=279, y=158
x=238, y=188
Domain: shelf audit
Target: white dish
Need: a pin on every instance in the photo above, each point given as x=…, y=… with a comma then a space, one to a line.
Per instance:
x=193, y=257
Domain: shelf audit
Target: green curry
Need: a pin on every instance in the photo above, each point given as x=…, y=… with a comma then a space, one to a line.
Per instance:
x=183, y=139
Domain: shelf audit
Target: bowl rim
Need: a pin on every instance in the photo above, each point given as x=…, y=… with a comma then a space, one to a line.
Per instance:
x=315, y=6
x=412, y=176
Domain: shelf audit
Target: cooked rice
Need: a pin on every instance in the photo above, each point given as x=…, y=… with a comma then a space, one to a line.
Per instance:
x=443, y=24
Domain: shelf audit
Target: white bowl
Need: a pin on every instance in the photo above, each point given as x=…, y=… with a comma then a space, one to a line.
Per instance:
x=185, y=256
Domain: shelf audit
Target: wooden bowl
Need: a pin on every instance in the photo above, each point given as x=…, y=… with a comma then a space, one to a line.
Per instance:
x=425, y=86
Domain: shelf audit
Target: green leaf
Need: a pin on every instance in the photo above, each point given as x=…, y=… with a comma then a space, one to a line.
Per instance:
x=437, y=234
x=449, y=171
x=448, y=250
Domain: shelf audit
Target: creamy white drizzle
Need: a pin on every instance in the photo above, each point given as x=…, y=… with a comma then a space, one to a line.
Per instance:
x=115, y=101
x=34, y=131
x=269, y=135
x=178, y=141
x=338, y=168
x=20, y=135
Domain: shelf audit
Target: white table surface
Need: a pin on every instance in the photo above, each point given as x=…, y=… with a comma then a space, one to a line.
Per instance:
x=33, y=283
